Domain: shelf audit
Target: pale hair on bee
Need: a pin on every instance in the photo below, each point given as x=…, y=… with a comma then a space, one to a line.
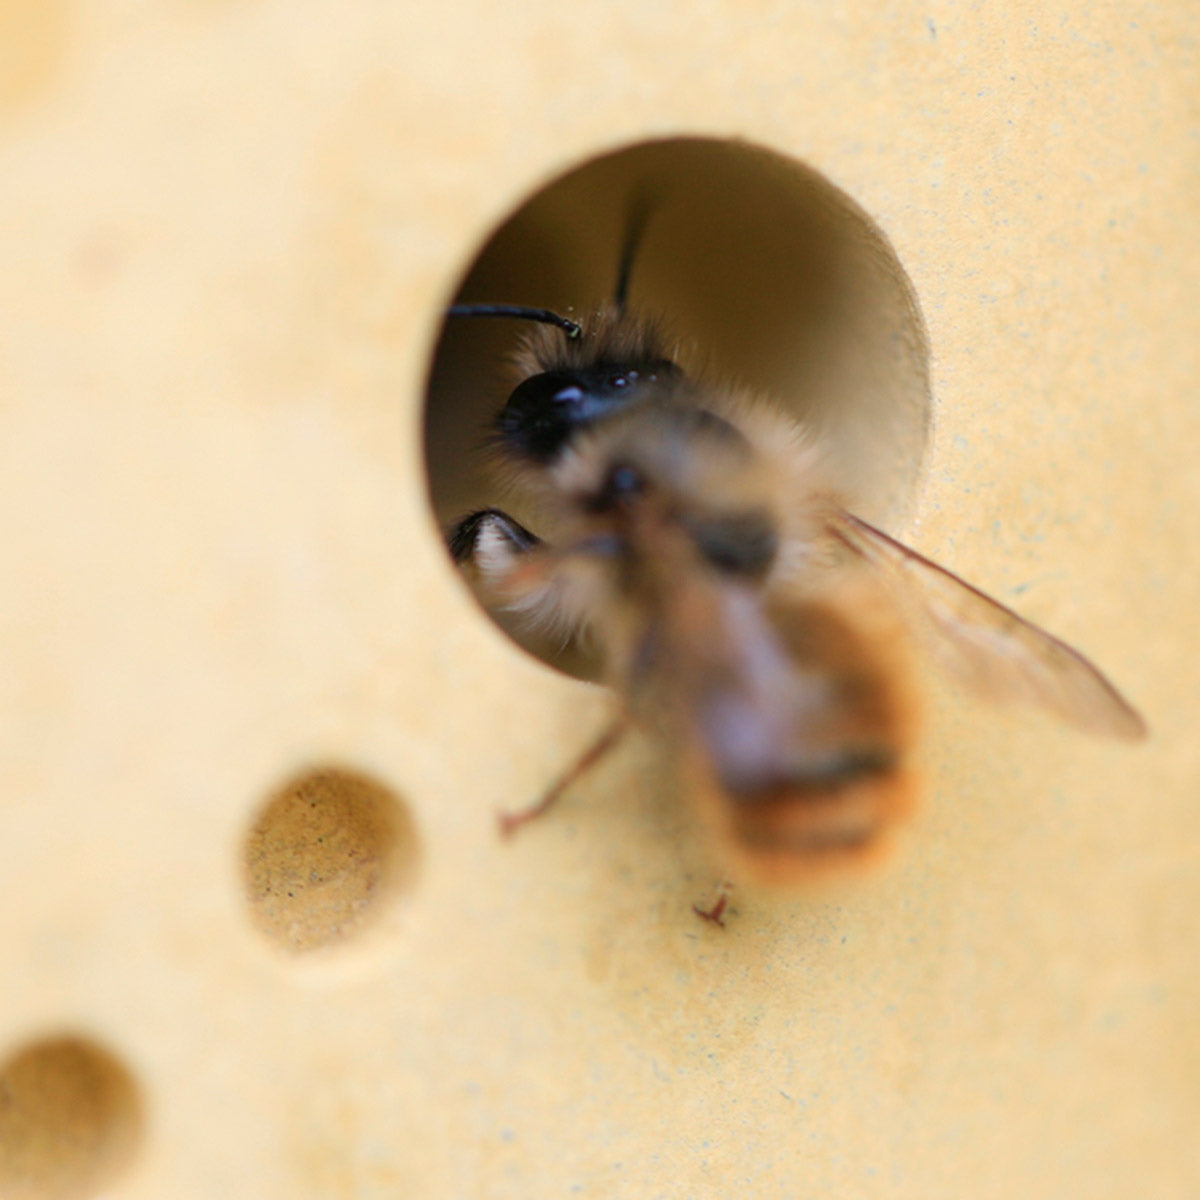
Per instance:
x=742, y=611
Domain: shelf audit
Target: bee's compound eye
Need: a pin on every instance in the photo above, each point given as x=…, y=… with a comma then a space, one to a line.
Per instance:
x=541, y=415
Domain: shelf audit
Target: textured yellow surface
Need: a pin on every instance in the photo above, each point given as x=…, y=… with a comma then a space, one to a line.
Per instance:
x=227, y=230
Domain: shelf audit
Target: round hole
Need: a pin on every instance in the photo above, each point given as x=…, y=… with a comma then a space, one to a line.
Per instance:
x=772, y=279
x=70, y=1120
x=324, y=856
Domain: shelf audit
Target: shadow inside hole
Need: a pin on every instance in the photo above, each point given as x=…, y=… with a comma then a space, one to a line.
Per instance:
x=772, y=278
x=325, y=855
x=70, y=1120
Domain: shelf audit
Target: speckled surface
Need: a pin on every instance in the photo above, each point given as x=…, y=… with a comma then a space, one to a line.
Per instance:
x=227, y=230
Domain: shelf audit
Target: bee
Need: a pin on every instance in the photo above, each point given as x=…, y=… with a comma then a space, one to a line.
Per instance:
x=743, y=613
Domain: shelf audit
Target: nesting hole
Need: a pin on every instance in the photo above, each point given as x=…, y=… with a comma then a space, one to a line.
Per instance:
x=770, y=276
x=70, y=1120
x=325, y=856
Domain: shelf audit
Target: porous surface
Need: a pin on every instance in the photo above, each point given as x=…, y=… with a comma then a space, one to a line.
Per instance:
x=227, y=232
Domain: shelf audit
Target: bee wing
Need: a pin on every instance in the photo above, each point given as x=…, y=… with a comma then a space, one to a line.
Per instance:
x=988, y=646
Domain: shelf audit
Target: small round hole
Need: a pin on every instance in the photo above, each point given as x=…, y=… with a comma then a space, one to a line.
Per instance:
x=70, y=1120
x=324, y=856
x=772, y=278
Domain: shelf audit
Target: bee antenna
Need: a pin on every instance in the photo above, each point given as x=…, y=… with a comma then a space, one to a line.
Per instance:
x=639, y=214
x=518, y=312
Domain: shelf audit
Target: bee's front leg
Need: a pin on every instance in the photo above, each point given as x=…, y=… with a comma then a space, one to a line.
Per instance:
x=489, y=546
x=490, y=542
x=515, y=575
x=495, y=551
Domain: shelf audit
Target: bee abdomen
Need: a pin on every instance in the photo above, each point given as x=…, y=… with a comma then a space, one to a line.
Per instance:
x=819, y=778
x=838, y=810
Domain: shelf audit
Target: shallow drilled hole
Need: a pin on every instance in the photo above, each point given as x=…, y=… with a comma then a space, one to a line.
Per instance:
x=325, y=856
x=70, y=1120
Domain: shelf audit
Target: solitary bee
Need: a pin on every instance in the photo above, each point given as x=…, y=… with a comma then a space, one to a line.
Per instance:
x=741, y=610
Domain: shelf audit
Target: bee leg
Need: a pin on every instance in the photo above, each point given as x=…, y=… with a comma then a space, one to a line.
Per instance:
x=491, y=548
x=510, y=822
x=514, y=575
x=490, y=541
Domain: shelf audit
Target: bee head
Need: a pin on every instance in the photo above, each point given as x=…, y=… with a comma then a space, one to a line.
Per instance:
x=547, y=410
x=571, y=383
